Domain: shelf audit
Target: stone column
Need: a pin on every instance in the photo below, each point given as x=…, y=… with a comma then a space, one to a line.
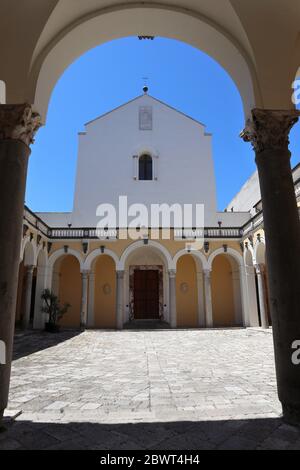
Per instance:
x=27, y=296
x=91, y=299
x=18, y=125
x=262, y=296
x=172, y=298
x=238, y=288
x=268, y=131
x=120, y=299
x=243, y=299
x=200, y=294
x=41, y=281
x=84, y=298
x=251, y=296
x=208, y=298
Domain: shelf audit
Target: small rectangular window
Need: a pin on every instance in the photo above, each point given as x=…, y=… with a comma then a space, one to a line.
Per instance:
x=145, y=168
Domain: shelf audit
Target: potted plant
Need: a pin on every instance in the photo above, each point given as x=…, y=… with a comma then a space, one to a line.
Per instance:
x=55, y=311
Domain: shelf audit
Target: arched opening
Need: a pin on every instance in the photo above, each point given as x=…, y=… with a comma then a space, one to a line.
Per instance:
x=186, y=292
x=145, y=168
x=26, y=288
x=50, y=60
x=226, y=292
x=146, y=284
x=66, y=284
x=45, y=81
x=246, y=47
x=104, y=292
x=150, y=164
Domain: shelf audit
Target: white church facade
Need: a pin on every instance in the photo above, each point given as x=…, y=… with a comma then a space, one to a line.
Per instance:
x=152, y=154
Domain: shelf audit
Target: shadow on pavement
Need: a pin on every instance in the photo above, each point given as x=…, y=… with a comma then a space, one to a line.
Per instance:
x=247, y=434
x=30, y=342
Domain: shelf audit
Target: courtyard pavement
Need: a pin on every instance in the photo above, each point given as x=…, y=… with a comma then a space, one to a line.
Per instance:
x=163, y=389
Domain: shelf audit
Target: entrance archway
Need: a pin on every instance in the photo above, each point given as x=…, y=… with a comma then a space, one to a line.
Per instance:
x=187, y=292
x=103, y=301
x=66, y=284
x=141, y=303
x=26, y=285
x=226, y=292
x=190, y=288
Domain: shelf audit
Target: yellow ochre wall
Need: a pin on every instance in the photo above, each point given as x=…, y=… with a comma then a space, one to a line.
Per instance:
x=186, y=302
x=222, y=292
x=119, y=246
x=105, y=293
x=70, y=290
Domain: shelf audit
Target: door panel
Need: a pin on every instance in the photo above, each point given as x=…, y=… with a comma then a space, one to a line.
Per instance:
x=146, y=294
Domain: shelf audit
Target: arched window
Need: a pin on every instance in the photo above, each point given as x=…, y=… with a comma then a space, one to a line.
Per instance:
x=145, y=168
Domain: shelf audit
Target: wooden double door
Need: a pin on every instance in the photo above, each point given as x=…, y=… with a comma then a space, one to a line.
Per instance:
x=146, y=294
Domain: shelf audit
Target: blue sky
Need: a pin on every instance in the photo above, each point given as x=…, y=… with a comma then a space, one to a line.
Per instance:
x=110, y=75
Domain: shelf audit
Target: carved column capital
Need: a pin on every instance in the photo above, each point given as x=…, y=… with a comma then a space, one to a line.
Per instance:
x=259, y=269
x=269, y=129
x=207, y=273
x=85, y=273
x=172, y=273
x=29, y=269
x=18, y=122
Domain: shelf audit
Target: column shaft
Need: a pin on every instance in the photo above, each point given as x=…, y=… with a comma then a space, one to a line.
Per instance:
x=91, y=299
x=243, y=296
x=84, y=299
x=200, y=295
x=120, y=299
x=238, y=295
x=268, y=131
x=251, y=296
x=208, y=299
x=262, y=297
x=172, y=299
x=13, y=170
x=41, y=282
x=27, y=296
x=18, y=125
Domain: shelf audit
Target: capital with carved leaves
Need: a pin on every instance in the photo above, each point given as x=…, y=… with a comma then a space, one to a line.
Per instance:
x=269, y=129
x=19, y=122
x=259, y=268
